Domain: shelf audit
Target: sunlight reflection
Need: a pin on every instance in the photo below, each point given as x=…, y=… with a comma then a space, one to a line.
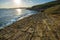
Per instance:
x=18, y=11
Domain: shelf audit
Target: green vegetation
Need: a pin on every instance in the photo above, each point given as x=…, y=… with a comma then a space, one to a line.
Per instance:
x=46, y=5
x=53, y=10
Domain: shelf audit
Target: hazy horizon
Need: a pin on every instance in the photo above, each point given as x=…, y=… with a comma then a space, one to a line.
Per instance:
x=20, y=3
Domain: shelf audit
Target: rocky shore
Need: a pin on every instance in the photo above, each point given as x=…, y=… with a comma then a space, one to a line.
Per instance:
x=36, y=27
x=41, y=26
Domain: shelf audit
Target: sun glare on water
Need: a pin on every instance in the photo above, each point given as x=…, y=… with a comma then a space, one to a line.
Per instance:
x=19, y=11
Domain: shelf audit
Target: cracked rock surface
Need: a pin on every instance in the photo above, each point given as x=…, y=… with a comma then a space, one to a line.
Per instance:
x=36, y=27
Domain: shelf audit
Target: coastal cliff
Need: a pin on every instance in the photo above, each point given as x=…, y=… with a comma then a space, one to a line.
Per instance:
x=41, y=26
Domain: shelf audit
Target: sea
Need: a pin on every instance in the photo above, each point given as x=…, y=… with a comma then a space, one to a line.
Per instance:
x=9, y=16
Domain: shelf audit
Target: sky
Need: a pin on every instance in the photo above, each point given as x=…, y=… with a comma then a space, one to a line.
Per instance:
x=20, y=3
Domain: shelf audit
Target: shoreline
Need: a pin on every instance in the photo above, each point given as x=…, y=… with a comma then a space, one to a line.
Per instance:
x=19, y=18
x=44, y=25
x=29, y=25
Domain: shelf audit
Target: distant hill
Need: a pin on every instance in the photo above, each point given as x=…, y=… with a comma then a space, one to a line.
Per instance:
x=42, y=7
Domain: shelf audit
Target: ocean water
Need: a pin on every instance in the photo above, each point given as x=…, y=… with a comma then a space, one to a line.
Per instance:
x=9, y=16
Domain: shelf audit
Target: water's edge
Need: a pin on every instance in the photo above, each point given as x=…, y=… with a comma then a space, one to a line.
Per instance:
x=15, y=20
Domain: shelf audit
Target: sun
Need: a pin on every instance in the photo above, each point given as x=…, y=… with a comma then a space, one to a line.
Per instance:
x=17, y=2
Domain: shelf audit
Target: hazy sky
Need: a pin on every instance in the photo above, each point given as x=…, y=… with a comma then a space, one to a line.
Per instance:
x=20, y=3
